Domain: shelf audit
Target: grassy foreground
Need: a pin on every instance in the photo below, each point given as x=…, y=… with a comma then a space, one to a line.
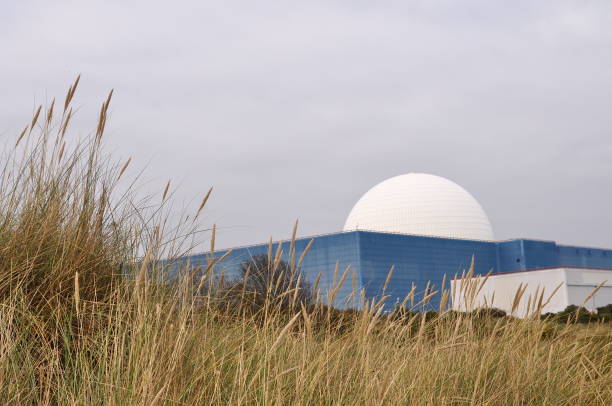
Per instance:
x=74, y=331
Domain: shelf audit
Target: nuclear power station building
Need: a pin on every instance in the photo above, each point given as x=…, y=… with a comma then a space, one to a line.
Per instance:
x=429, y=229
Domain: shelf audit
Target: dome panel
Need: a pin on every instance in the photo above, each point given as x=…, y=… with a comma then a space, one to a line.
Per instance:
x=418, y=203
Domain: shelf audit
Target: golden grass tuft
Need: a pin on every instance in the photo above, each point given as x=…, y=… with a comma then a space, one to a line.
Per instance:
x=57, y=218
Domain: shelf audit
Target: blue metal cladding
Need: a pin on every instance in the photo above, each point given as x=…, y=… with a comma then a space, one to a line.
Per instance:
x=327, y=253
x=510, y=256
x=584, y=257
x=417, y=260
x=520, y=255
x=422, y=261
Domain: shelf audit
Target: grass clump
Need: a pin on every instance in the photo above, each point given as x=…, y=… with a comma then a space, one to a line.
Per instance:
x=74, y=330
x=58, y=228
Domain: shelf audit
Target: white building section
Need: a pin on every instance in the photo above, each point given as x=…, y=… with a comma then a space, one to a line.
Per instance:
x=418, y=203
x=544, y=290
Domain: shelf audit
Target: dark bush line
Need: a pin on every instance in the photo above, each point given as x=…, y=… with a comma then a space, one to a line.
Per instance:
x=578, y=314
x=571, y=313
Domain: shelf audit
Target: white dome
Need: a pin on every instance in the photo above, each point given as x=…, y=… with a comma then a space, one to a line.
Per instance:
x=418, y=203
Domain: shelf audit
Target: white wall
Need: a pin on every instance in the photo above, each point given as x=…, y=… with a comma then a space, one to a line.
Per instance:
x=500, y=290
x=581, y=283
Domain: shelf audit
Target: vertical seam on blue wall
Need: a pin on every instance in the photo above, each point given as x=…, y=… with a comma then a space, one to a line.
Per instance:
x=359, y=274
x=497, y=259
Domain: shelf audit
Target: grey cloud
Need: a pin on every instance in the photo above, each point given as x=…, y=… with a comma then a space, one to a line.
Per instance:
x=294, y=109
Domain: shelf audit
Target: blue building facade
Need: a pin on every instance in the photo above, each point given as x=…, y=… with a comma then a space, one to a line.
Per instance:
x=420, y=261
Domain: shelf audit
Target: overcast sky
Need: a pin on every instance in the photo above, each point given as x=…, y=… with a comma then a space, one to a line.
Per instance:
x=294, y=109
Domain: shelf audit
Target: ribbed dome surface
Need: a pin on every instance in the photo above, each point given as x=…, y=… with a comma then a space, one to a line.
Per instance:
x=418, y=203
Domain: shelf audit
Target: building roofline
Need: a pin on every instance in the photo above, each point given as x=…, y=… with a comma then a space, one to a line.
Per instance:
x=404, y=234
x=347, y=232
x=545, y=268
x=582, y=247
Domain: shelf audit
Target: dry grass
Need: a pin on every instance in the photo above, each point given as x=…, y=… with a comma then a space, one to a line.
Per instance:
x=73, y=332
